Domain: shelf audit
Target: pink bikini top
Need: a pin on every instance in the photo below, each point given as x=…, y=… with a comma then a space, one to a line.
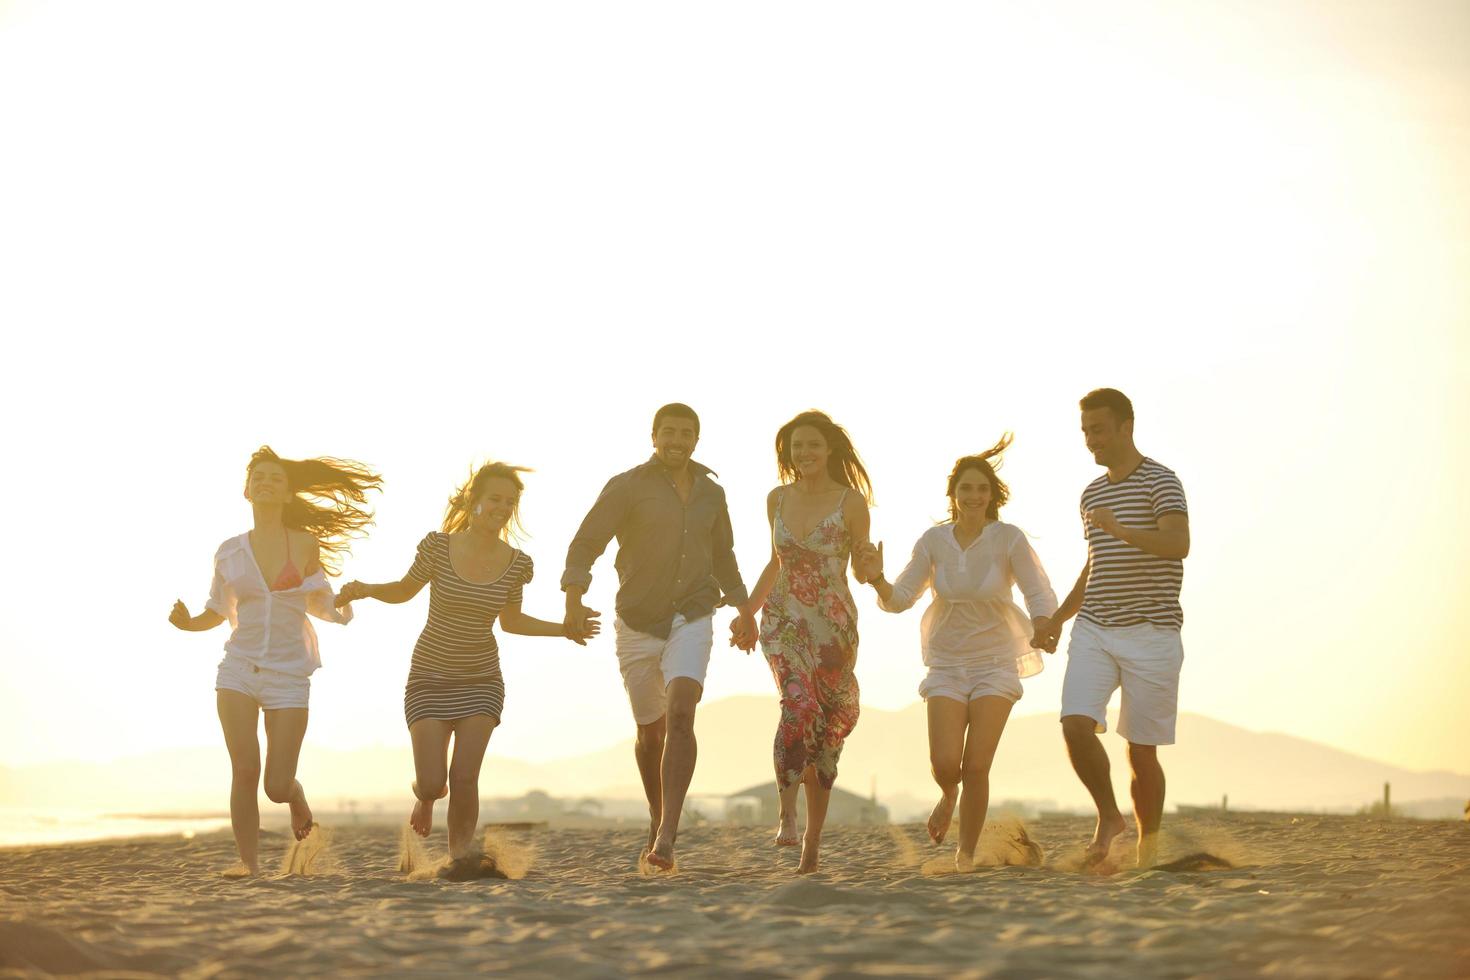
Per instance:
x=289, y=577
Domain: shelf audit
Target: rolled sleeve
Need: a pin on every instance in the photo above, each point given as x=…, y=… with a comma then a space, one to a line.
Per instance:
x=726, y=568
x=321, y=603
x=912, y=581
x=1036, y=588
x=219, y=594
x=592, y=537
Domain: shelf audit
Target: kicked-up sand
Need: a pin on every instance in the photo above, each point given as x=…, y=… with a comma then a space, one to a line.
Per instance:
x=1245, y=895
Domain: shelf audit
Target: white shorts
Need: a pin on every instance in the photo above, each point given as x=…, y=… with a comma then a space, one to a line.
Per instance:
x=268, y=688
x=1144, y=660
x=649, y=663
x=967, y=682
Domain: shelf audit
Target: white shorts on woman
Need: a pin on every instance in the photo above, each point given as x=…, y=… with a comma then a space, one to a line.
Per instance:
x=968, y=682
x=268, y=688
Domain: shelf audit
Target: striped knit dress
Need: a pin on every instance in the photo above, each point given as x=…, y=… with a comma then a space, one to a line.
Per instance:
x=456, y=662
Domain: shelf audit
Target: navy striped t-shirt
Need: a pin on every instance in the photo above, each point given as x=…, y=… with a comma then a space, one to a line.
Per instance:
x=1126, y=586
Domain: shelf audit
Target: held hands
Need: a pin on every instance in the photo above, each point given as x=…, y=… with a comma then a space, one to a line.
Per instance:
x=867, y=562
x=581, y=622
x=351, y=592
x=1048, y=632
x=1104, y=520
x=743, y=631
x=179, y=615
x=579, y=632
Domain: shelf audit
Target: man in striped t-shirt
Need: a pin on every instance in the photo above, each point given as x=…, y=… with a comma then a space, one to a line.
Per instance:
x=1127, y=633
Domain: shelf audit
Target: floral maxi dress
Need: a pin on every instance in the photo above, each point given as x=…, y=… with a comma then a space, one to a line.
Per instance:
x=809, y=636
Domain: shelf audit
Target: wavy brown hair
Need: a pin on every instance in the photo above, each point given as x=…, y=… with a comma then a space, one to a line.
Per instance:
x=327, y=500
x=457, y=514
x=843, y=463
x=999, y=492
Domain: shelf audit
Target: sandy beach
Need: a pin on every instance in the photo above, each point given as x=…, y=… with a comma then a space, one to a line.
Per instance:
x=1318, y=896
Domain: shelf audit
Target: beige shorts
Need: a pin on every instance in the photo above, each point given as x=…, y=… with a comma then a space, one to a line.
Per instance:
x=967, y=682
x=270, y=689
x=1143, y=660
x=649, y=663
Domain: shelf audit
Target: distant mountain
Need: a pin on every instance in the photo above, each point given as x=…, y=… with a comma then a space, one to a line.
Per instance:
x=888, y=751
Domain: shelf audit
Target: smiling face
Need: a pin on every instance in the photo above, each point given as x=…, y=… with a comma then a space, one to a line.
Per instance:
x=1108, y=440
x=267, y=484
x=809, y=451
x=495, y=506
x=674, y=440
x=972, y=495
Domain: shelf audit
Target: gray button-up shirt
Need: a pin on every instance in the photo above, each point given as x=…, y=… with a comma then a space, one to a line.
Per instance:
x=672, y=557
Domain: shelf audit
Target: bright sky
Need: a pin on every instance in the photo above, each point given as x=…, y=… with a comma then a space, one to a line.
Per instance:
x=424, y=236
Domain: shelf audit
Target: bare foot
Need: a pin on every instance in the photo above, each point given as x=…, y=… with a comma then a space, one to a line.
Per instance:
x=786, y=835
x=301, y=822
x=809, y=849
x=661, y=856
x=240, y=870
x=963, y=861
x=422, y=817
x=1102, y=837
x=941, y=816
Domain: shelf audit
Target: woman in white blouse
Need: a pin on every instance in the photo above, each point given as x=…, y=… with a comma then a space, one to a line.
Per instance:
x=266, y=581
x=976, y=643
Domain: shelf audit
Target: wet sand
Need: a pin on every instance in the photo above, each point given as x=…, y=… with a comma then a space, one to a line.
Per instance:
x=1311, y=896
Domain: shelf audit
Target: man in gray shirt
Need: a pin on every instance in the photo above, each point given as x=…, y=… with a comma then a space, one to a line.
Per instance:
x=676, y=563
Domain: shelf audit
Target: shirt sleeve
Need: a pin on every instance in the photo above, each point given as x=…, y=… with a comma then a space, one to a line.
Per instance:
x=722, y=559
x=221, y=596
x=1035, y=586
x=528, y=570
x=321, y=602
x=1166, y=494
x=422, y=569
x=597, y=529
x=912, y=581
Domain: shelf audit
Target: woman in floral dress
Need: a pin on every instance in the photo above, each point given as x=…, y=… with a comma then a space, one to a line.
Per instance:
x=808, y=629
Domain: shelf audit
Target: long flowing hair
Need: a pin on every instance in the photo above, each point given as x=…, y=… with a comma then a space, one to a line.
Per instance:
x=457, y=514
x=843, y=463
x=328, y=498
x=999, y=492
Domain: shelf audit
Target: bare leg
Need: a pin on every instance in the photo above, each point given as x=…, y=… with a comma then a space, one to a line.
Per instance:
x=649, y=751
x=284, y=730
x=817, y=798
x=786, y=833
x=947, y=721
x=987, y=717
x=238, y=716
x=471, y=735
x=430, y=737
x=1090, y=761
x=1148, y=800
x=680, y=752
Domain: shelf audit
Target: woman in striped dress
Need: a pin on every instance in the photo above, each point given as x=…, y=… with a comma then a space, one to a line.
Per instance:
x=454, y=684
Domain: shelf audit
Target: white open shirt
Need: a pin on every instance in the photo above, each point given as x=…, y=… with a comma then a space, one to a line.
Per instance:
x=973, y=619
x=270, y=629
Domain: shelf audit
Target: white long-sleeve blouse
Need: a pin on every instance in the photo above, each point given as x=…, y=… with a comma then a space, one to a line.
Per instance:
x=270, y=629
x=973, y=618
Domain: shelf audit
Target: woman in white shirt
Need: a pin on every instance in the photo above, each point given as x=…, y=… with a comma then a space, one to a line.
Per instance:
x=976, y=643
x=266, y=581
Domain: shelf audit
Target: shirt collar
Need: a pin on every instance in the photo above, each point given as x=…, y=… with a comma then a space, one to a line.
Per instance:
x=698, y=469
